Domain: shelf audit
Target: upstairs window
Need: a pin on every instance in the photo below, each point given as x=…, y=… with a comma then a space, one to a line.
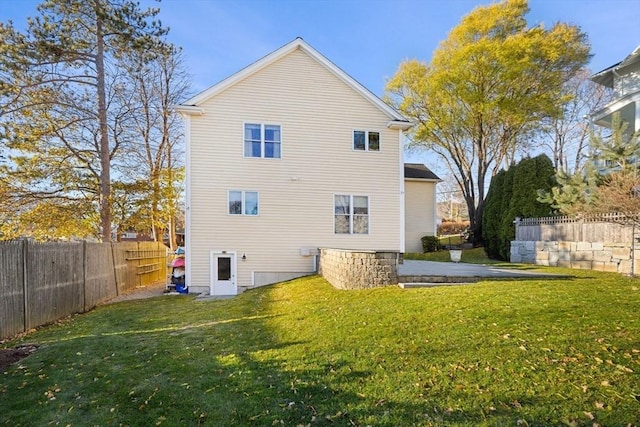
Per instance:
x=243, y=202
x=366, y=141
x=351, y=214
x=262, y=140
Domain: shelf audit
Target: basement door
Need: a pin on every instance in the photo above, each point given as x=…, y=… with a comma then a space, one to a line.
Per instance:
x=223, y=273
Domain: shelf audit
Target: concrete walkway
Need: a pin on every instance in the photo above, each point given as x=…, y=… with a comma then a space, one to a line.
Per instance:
x=429, y=273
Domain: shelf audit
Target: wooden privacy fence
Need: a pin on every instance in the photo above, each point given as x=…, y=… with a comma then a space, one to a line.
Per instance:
x=43, y=282
x=597, y=228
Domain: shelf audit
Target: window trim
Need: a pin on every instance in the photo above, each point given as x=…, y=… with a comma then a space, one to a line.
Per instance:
x=262, y=125
x=243, y=202
x=366, y=140
x=352, y=214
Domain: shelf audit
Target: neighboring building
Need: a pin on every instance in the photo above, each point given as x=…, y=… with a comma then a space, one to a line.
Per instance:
x=624, y=79
x=290, y=155
x=421, y=217
x=134, y=236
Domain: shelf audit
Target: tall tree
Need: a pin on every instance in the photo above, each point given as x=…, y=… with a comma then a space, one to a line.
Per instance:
x=56, y=77
x=566, y=137
x=154, y=158
x=488, y=83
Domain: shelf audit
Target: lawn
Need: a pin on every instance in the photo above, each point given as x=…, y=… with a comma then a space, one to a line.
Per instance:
x=552, y=352
x=472, y=256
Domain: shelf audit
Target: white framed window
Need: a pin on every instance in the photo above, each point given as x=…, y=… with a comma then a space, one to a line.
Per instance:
x=351, y=214
x=366, y=140
x=243, y=202
x=261, y=140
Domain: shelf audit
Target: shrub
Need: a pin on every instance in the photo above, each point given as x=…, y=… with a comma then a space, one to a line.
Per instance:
x=430, y=243
x=513, y=193
x=452, y=227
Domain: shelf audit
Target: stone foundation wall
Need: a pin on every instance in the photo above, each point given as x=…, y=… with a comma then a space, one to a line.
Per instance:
x=352, y=269
x=613, y=257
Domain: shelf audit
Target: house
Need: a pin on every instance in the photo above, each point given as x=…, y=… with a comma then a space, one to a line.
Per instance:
x=421, y=218
x=624, y=79
x=287, y=156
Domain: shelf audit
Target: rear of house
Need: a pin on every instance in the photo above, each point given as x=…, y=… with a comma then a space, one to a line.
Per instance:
x=287, y=156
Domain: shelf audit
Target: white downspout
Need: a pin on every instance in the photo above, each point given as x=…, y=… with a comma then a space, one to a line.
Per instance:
x=402, y=191
x=187, y=209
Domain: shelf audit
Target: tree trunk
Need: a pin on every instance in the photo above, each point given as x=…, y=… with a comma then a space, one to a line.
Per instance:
x=105, y=160
x=155, y=210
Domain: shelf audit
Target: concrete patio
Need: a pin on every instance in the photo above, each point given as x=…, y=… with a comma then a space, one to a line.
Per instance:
x=413, y=273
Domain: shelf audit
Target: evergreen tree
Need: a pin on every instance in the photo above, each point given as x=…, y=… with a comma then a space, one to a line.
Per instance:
x=506, y=224
x=491, y=218
x=530, y=176
x=513, y=193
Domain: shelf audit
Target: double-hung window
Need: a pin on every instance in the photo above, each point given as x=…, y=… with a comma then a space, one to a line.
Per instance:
x=262, y=140
x=366, y=140
x=243, y=202
x=351, y=214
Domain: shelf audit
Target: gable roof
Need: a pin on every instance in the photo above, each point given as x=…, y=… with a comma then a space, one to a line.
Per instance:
x=419, y=171
x=190, y=106
x=605, y=77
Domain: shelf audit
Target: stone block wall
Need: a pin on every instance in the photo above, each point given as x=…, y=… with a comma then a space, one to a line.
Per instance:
x=354, y=269
x=600, y=256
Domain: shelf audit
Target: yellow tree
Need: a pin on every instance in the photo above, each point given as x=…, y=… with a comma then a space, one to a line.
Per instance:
x=488, y=84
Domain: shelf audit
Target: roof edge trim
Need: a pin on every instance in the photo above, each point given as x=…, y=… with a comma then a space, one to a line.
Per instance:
x=189, y=109
x=297, y=43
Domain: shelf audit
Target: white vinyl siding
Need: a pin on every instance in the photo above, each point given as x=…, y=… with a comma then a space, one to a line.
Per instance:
x=317, y=110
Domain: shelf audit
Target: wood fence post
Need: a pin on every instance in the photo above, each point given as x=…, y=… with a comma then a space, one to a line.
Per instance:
x=25, y=269
x=115, y=266
x=633, y=248
x=84, y=275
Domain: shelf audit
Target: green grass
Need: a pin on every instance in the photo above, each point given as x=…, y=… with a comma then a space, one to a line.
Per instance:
x=454, y=239
x=473, y=256
x=553, y=352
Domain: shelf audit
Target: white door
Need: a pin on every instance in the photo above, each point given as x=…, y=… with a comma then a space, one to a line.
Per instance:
x=223, y=273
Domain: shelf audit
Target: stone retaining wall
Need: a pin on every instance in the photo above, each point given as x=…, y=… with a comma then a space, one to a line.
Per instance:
x=353, y=269
x=613, y=257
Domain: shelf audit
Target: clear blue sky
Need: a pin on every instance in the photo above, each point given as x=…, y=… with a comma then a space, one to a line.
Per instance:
x=366, y=38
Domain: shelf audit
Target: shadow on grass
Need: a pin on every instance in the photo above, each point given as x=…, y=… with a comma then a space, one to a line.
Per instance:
x=171, y=361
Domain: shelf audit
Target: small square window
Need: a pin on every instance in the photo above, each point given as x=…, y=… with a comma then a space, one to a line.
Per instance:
x=262, y=140
x=351, y=214
x=243, y=202
x=366, y=141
